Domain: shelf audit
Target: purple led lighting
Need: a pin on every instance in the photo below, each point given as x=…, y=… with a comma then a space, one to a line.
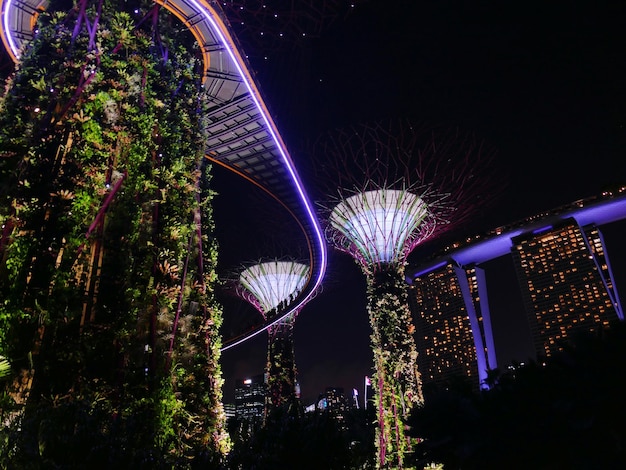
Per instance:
x=429, y=270
x=205, y=11
x=6, y=29
x=230, y=48
x=598, y=213
x=542, y=229
x=479, y=347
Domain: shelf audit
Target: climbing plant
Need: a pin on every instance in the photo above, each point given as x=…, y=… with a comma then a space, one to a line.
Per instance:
x=396, y=380
x=107, y=261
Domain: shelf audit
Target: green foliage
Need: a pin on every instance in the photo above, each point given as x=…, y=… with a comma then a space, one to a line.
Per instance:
x=5, y=367
x=567, y=413
x=102, y=179
x=396, y=382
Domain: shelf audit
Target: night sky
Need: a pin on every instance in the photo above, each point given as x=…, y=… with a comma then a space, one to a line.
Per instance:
x=542, y=82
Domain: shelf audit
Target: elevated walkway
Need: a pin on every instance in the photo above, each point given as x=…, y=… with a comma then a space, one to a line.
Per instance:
x=242, y=135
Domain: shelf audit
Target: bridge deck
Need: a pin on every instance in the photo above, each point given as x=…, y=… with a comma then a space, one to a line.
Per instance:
x=242, y=135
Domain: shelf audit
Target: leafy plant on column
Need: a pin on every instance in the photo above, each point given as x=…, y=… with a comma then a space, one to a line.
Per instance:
x=108, y=264
x=270, y=286
x=397, y=185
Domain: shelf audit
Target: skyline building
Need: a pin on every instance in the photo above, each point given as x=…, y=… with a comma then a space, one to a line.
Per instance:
x=448, y=309
x=566, y=283
x=250, y=398
x=563, y=274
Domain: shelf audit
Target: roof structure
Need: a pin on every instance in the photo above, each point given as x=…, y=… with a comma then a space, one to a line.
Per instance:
x=597, y=211
x=243, y=137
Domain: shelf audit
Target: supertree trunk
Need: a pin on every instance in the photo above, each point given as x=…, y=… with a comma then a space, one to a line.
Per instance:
x=396, y=380
x=281, y=366
x=101, y=138
x=270, y=286
x=398, y=186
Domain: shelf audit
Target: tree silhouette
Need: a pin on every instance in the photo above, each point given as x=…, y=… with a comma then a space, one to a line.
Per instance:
x=565, y=412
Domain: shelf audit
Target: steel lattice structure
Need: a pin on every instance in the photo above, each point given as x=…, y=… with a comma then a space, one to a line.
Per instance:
x=269, y=284
x=451, y=170
x=270, y=287
x=380, y=227
x=397, y=185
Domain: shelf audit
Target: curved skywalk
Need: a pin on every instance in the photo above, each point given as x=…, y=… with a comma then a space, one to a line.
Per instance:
x=242, y=135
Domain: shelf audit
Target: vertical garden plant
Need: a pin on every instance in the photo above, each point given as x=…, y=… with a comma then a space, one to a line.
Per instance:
x=107, y=260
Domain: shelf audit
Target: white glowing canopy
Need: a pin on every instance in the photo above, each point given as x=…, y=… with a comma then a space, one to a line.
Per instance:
x=274, y=282
x=380, y=225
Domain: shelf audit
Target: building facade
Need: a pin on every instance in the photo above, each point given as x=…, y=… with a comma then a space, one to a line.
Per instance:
x=250, y=398
x=452, y=326
x=566, y=283
x=564, y=277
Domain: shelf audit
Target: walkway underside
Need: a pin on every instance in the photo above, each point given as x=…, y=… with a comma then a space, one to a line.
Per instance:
x=242, y=135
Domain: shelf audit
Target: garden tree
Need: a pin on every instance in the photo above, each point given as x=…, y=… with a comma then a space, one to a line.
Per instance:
x=563, y=412
x=316, y=440
x=270, y=286
x=398, y=186
x=107, y=263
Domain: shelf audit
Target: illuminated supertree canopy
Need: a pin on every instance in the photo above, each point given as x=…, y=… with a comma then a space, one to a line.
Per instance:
x=273, y=283
x=380, y=226
x=399, y=185
x=270, y=286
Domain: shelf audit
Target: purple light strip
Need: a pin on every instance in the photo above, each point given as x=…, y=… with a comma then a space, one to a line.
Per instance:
x=204, y=11
x=600, y=213
x=483, y=294
x=542, y=229
x=428, y=270
x=596, y=262
x=479, y=347
x=7, y=29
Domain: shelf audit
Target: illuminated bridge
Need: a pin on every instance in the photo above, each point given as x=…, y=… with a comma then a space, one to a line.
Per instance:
x=564, y=274
x=243, y=138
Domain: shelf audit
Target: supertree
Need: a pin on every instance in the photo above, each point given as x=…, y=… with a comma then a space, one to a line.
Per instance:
x=398, y=185
x=107, y=263
x=270, y=286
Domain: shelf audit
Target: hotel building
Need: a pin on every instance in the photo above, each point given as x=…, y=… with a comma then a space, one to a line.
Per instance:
x=564, y=277
x=565, y=281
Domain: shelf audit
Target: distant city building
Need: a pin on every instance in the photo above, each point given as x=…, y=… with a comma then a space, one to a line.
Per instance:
x=250, y=398
x=355, y=399
x=229, y=410
x=334, y=402
x=333, y=399
x=564, y=275
x=566, y=283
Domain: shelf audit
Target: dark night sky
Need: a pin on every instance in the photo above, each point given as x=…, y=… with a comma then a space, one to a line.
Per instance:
x=543, y=82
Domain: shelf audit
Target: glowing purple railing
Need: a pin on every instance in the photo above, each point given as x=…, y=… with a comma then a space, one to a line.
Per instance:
x=232, y=91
